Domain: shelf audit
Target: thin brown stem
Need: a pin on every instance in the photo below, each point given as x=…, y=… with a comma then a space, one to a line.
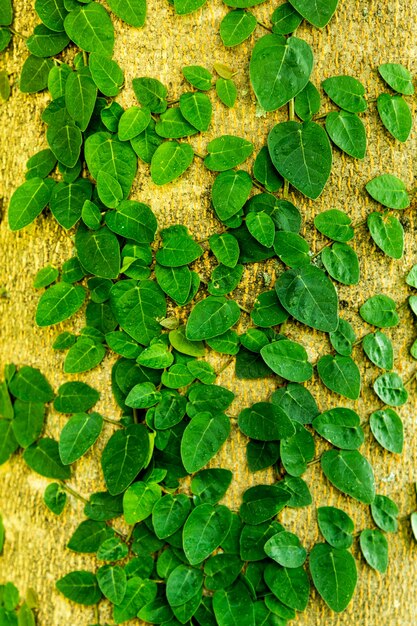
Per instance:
x=264, y=26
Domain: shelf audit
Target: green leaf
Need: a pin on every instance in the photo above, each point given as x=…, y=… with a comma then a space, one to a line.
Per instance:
x=234, y=606
x=342, y=263
x=340, y=374
x=390, y=389
x=106, y=73
x=388, y=234
x=302, y=154
x=28, y=421
x=85, y=354
x=44, y=42
x=30, y=385
x=43, y=458
x=211, y=317
x=196, y=109
x=133, y=220
x=388, y=430
x=34, y=74
x=80, y=97
x=347, y=92
x=334, y=224
x=138, y=593
x=55, y=498
x=139, y=500
x=6, y=13
x=285, y=19
x=221, y=571
x=78, y=435
x=261, y=227
x=374, y=548
x=202, y=439
x=380, y=310
x=290, y=585
x=292, y=249
x=310, y=297
x=80, y=586
x=317, y=13
x=389, y=191
x=103, y=151
x=336, y=526
x=378, y=348
x=397, y=77
x=340, y=426
x=132, y=12
x=40, y=164
x=198, y=76
x=124, y=456
x=225, y=248
x=351, y=473
x=28, y=201
x=253, y=538
x=343, y=339
x=143, y=396
x=91, y=29
x=347, y=132
x=226, y=91
x=307, y=103
x=170, y=160
x=183, y=583
x=65, y=142
x=98, y=251
x=395, y=115
x=52, y=13
x=384, y=513
x=297, y=402
x=8, y=441
x=109, y=190
x=136, y=307
x=112, y=582
x=334, y=575
x=178, y=247
x=67, y=201
x=237, y=26
x=267, y=310
x=279, y=69
x=133, y=122
x=227, y=152
x=210, y=485
x=173, y=125
x=262, y=502
x=229, y=193
x=265, y=422
x=264, y=171
x=297, y=451
x=151, y=93
x=58, y=303
x=285, y=548
x=288, y=359
x=169, y=514
x=88, y=536
x=204, y=531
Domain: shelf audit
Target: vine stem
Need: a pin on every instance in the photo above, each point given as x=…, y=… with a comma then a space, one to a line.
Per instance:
x=96, y=614
x=225, y=366
x=264, y=26
x=110, y=421
x=72, y=492
x=15, y=32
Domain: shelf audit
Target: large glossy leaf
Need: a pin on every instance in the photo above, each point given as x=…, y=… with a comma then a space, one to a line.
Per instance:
x=290, y=585
x=334, y=575
x=28, y=201
x=310, y=297
x=204, y=531
x=350, y=472
x=58, y=303
x=388, y=234
x=202, y=439
x=211, y=317
x=288, y=359
x=279, y=69
x=104, y=152
x=90, y=27
x=132, y=12
x=302, y=155
x=318, y=13
x=124, y=456
x=137, y=306
x=340, y=374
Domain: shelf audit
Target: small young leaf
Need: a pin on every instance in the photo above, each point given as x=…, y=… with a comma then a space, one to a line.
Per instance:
x=387, y=428
x=374, y=547
x=395, y=115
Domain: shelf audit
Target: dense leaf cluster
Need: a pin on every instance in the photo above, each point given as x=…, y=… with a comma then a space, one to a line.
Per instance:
x=188, y=559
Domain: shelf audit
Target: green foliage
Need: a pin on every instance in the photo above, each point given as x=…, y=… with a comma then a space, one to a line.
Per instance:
x=334, y=575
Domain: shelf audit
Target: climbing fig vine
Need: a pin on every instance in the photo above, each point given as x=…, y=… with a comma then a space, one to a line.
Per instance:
x=166, y=551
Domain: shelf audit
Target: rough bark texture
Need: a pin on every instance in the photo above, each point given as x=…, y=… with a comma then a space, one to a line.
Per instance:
x=363, y=34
